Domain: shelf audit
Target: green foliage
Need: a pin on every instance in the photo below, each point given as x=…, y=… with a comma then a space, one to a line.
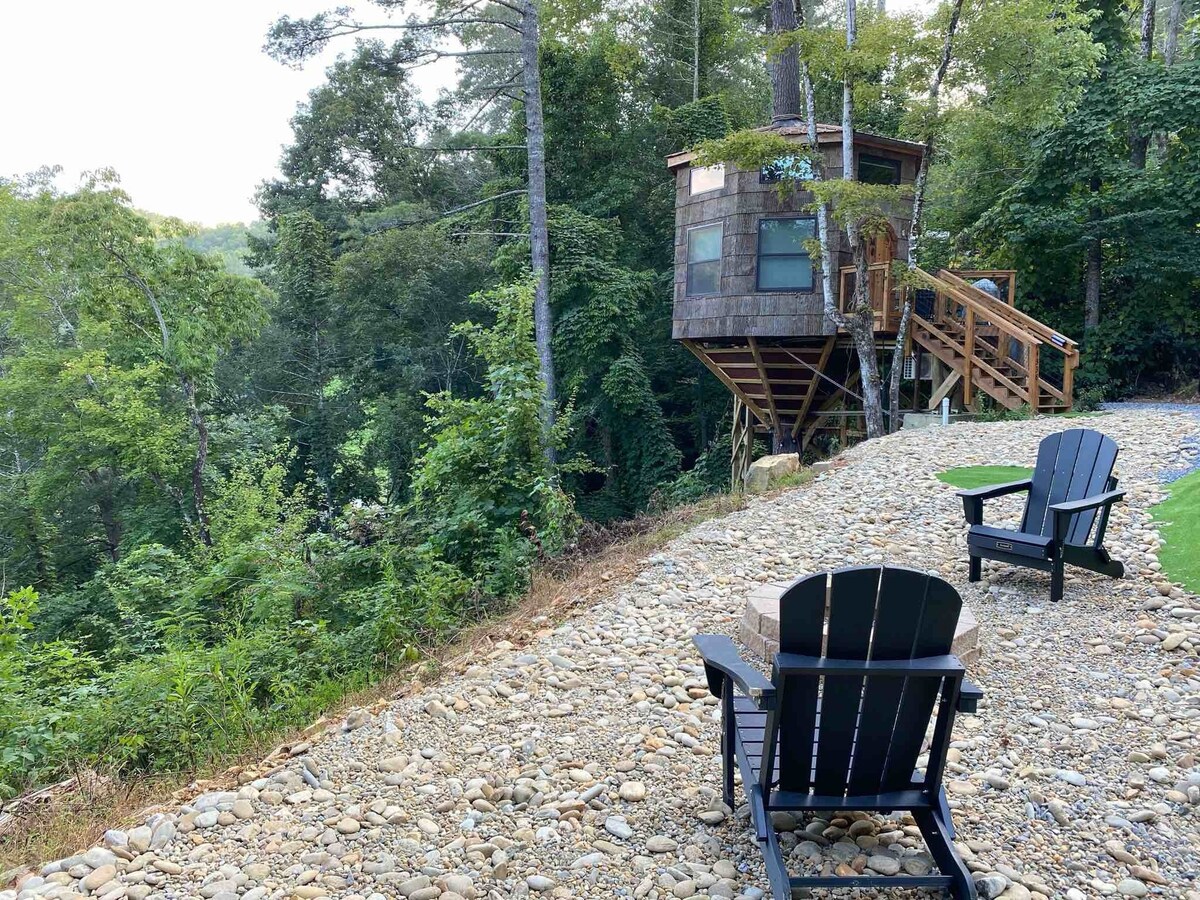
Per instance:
x=1088, y=399
x=1179, y=522
x=989, y=410
x=482, y=489
x=749, y=149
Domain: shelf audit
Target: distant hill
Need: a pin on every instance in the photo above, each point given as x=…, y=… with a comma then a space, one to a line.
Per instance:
x=227, y=240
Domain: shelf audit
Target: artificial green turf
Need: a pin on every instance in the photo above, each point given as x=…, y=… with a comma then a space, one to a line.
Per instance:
x=978, y=476
x=1179, y=523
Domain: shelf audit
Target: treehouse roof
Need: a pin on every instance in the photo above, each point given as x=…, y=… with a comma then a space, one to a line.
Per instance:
x=826, y=134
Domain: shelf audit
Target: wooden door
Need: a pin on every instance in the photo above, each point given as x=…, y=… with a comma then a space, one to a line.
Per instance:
x=882, y=248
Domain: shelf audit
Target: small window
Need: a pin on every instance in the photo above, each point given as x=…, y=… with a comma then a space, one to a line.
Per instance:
x=791, y=168
x=704, y=260
x=878, y=169
x=783, y=260
x=708, y=178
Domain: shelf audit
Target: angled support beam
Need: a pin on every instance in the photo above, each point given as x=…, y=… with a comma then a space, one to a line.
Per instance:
x=944, y=389
x=766, y=382
x=830, y=403
x=812, y=385
x=699, y=353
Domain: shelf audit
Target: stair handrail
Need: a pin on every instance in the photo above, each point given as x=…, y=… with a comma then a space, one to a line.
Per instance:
x=1012, y=322
x=1050, y=337
x=985, y=310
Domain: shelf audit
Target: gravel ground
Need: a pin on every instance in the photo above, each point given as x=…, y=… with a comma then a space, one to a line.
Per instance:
x=1190, y=443
x=583, y=764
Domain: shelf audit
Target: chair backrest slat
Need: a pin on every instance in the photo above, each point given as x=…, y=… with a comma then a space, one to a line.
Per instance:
x=853, y=596
x=939, y=618
x=1072, y=465
x=801, y=630
x=902, y=594
x=844, y=734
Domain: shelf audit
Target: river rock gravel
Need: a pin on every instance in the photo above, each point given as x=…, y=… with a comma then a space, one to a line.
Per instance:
x=585, y=764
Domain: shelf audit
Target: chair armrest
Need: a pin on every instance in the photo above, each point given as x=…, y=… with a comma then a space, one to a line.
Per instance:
x=969, y=696
x=799, y=664
x=973, y=498
x=1064, y=511
x=1071, y=507
x=722, y=661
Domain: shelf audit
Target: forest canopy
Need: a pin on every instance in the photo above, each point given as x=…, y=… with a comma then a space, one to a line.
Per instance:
x=244, y=472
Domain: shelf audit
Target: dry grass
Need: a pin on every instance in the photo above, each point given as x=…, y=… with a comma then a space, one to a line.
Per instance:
x=69, y=820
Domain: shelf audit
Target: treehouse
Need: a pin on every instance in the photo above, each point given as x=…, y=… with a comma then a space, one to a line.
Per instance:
x=748, y=301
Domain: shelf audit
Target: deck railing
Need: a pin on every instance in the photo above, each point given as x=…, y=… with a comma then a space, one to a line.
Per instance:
x=881, y=288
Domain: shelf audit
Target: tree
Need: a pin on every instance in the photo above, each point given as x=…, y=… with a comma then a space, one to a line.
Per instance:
x=486, y=31
x=117, y=329
x=918, y=210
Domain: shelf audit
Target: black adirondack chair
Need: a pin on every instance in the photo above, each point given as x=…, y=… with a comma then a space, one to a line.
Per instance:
x=1072, y=490
x=840, y=729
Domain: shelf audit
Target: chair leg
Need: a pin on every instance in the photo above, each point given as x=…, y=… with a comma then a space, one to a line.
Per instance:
x=728, y=752
x=781, y=884
x=937, y=831
x=1056, y=580
x=976, y=569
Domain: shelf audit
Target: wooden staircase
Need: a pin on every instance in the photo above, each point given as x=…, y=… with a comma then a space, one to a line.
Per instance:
x=992, y=348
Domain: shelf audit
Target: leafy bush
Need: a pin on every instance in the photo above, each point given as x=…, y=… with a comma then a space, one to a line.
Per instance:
x=168, y=657
x=1089, y=399
x=483, y=490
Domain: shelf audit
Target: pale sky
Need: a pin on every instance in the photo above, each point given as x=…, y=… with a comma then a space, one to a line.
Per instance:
x=177, y=96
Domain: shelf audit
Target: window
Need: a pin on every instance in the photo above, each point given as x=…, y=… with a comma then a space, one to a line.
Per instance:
x=878, y=169
x=793, y=168
x=708, y=178
x=783, y=260
x=704, y=260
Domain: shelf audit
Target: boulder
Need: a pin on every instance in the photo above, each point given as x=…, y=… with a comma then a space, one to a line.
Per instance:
x=767, y=470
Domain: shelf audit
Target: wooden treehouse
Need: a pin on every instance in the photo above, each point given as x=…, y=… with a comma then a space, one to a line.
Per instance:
x=748, y=304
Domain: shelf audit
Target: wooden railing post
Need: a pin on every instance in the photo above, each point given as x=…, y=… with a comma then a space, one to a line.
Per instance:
x=886, y=300
x=968, y=357
x=1031, y=368
x=1070, y=361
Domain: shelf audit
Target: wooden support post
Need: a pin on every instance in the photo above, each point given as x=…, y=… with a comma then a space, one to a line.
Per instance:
x=944, y=389
x=743, y=445
x=1070, y=361
x=969, y=347
x=1031, y=367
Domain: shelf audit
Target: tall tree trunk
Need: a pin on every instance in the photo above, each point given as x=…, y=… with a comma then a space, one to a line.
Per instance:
x=861, y=329
x=861, y=320
x=1095, y=259
x=1138, y=142
x=695, y=50
x=784, y=66
x=916, y=229
x=832, y=314
x=539, y=239
x=107, y=511
x=200, y=460
x=1170, y=48
x=1174, y=25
